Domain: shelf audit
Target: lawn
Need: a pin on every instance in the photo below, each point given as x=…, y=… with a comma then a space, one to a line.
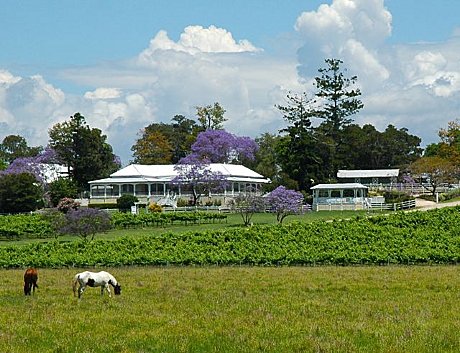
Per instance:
x=237, y=309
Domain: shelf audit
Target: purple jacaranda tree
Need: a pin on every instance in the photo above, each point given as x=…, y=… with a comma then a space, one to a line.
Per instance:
x=247, y=205
x=196, y=175
x=220, y=146
x=285, y=202
x=85, y=222
x=39, y=166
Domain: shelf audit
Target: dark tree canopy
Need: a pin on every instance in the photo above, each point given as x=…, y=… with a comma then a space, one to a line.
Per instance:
x=20, y=193
x=309, y=154
x=62, y=188
x=337, y=96
x=211, y=117
x=15, y=146
x=83, y=150
x=161, y=143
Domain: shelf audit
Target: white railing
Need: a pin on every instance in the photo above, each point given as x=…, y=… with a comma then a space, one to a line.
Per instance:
x=393, y=206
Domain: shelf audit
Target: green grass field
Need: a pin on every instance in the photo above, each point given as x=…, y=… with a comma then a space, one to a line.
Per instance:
x=237, y=309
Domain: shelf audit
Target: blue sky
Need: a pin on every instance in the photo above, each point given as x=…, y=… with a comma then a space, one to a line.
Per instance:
x=125, y=64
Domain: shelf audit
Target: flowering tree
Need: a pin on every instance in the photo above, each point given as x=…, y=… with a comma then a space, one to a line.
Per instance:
x=195, y=174
x=247, y=204
x=84, y=222
x=38, y=165
x=285, y=202
x=220, y=146
x=66, y=204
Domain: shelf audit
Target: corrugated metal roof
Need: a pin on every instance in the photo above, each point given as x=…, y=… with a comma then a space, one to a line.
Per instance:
x=339, y=186
x=137, y=173
x=368, y=173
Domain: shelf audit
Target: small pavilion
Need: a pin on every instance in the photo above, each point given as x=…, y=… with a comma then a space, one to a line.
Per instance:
x=343, y=196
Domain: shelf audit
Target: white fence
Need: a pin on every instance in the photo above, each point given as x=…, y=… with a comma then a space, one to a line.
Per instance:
x=393, y=206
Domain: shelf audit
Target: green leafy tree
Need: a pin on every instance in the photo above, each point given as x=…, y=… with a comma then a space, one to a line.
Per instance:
x=438, y=170
x=161, y=143
x=401, y=147
x=61, y=188
x=20, y=193
x=83, y=150
x=15, y=146
x=268, y=161
x=337, y=97
x=336, y=101
x=449, y=145
x=368, y=148
x=183, y=135
x=310, y=154
x=211, y=117
x=152, y=148
x=297, y=150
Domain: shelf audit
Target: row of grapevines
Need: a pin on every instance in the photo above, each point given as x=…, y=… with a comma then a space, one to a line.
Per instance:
x=403, y=238
x=25, y=226
x=128, y=220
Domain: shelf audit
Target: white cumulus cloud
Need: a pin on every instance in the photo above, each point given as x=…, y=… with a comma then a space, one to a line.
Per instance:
x=196, y=39
x=103, y=93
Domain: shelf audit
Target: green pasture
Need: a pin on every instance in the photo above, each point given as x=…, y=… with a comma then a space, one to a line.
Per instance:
x=237, y=309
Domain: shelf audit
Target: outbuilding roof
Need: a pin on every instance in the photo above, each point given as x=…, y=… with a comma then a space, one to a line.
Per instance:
x=339, y=186
x=368, y=173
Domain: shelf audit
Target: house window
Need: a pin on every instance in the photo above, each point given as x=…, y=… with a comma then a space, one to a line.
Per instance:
x=98, y=190
x=127, y=189
x=112, y=190
x=348, y=193
x=142, y=189
x=157, y=189
x=335, y=193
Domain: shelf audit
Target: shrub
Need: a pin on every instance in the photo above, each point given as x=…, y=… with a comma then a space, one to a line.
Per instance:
x=66, y=204
x=125, y=201
x=154, y=207
x=182, y=203
x=396, y=196
x=451, y=194
x=103, y=205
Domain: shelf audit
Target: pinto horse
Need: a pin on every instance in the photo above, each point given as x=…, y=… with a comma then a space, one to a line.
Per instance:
x=95, y=279
x=30, y=281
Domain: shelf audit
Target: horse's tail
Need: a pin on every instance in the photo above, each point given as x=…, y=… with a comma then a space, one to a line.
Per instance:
x=74, y=285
